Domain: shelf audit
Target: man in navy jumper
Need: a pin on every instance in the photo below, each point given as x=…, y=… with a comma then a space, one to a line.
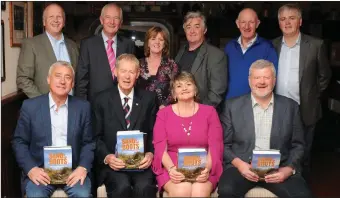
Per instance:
x=245, y=50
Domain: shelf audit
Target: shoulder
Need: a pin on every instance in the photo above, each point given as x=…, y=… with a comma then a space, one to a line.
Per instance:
x=237, y=102
x=264, y=42
x=207, y=109
x=90, y=39
x=311, y=39
x=32, y=104
x=125, y=40
x=212, y=50
x=70, y=41
x=288, y=102
x=79, y=101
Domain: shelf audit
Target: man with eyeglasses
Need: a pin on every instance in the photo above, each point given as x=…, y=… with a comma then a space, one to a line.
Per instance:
x=95, y=71
x=245, y=50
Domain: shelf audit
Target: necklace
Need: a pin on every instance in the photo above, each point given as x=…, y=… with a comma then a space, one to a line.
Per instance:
x=187, y=131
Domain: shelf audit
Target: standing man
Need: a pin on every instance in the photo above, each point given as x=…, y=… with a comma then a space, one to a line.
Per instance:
x=207, y=63
x=245, y=50
x=41, y=51
x=55, y=119
x=95, y=71
x=304, y=71
x=262, y=120
x=120, y=108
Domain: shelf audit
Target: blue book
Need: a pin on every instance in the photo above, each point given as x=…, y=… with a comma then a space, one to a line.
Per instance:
x=130, y=148
x=265, y=162
x=58, y=163
x=191, y=162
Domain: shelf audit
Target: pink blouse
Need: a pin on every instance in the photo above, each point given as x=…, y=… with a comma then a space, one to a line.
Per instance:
x=169, y=134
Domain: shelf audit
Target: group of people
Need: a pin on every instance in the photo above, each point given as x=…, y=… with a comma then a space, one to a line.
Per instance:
x=230, y=103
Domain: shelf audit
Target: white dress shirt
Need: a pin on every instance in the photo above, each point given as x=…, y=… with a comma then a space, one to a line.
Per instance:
x=59, y=121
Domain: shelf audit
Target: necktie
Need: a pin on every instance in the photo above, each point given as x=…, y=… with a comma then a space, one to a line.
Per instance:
x=127, y=112
x=111, y=56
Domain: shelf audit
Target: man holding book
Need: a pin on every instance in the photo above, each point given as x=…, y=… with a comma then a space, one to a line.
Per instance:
x=262, y=120
x=56, y=121
x=124, y=108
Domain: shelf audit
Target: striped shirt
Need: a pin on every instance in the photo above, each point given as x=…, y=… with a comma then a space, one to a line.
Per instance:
x=263, y=123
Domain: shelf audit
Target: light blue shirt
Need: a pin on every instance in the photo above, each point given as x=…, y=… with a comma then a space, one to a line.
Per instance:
x=288, y=74
x=114, y=44
x=59, y=48
x=59, y=120
x=248, y=45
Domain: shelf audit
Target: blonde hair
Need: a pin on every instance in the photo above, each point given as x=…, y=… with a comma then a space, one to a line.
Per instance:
x=260, y=64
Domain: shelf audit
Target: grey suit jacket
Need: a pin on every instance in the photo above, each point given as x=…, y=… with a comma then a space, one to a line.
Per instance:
x=211, y=72
x=287, y=133
x=36, y=57
x=314, y=75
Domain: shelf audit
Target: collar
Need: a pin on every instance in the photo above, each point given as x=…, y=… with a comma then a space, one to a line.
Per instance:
x=62, y=39
x=254, y=103
x=122, y=95
x=52, y=103
x=297, y=42
x=105, y=38
x=252, y=41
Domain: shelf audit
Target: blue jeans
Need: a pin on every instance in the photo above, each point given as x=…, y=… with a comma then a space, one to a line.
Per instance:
x=33, y=190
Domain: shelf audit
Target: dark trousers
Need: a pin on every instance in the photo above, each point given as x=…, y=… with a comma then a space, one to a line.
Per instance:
x=233, y=185
x=130, y=184
x=306, y=164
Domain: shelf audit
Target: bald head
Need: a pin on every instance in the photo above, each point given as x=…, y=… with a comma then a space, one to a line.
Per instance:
x=249, y=13
x=247, y=22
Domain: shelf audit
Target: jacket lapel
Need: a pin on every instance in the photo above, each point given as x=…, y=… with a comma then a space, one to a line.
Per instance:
x=276, y=123
x=136, y=107
x=304, y=49
x=179, y=55
x=46, y=118
x=118, y=107
x=248, y=117
x=120, y=46
x=199, y=58
x=48, y=47
x=72, y=117
x=71, y=52
x=277, y=45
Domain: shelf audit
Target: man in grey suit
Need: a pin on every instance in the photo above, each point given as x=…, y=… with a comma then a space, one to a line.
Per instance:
x=98, y=54
x=39, y=52
x=262, y=120
x=304, y=71
x=207, y=63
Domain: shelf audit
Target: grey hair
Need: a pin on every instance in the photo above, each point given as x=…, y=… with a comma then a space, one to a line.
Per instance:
x=261, y=64
x=44, y=12
x=191, y=15
x=60, y=63
x=127, y=57
x=112, y=5
x=290, y=7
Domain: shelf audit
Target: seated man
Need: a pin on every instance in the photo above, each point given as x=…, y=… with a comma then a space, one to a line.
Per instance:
x=121, y=108
x=55, y=119
x=262, y=120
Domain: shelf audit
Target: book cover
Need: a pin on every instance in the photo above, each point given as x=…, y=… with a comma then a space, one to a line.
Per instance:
x=58, y=163
x=191, y=162
x=130, y=148
x=265, y=162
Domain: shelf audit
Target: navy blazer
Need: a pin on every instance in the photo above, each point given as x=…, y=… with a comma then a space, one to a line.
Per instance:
x=287, y=133
x=33, y=132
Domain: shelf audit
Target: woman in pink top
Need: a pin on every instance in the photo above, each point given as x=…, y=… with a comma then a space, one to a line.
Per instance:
x=186, y=124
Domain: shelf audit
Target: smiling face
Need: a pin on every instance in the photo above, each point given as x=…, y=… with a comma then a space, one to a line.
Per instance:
x=290, y=22
x=184, y=90
x=111, y=19
x=127, y=73
x=194, y=30
x=262, y=82
x=60, y=80
x=247, y=22
x=54, y=20
x=156, y=44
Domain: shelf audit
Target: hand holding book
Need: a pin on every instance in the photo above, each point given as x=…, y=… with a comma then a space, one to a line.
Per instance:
x=79, y=174
x=281, y=175
x=203, y=177
x=175, y=176
x=114, y=162
x=245, y=170
x=39, y=176
x=146, y=162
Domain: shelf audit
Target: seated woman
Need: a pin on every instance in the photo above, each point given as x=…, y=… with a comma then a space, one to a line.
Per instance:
x=157, y=69
x=186, y=124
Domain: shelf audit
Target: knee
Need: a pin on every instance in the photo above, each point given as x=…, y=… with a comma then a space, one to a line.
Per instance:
x=225, y=191
x=145, y=188
x=84, y=192
x=180, y=192
x=33, y=190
